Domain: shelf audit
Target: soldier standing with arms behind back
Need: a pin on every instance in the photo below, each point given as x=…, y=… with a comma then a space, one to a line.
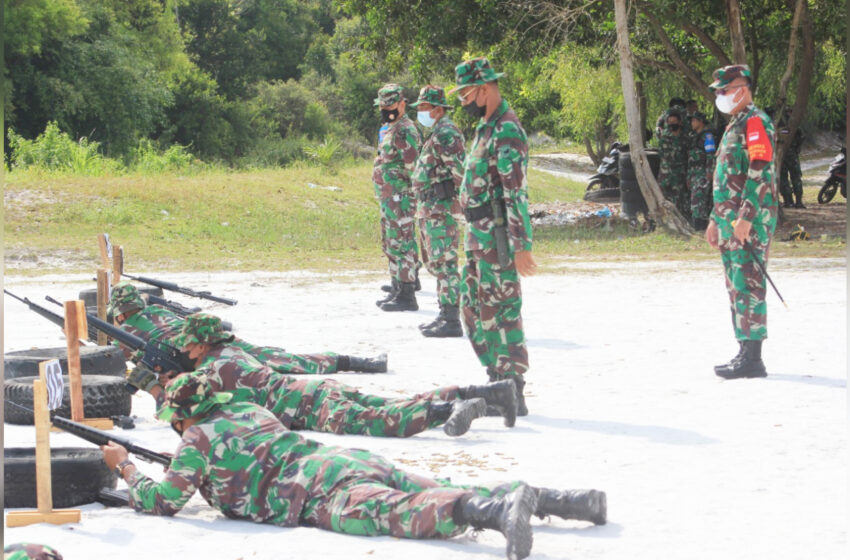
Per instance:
x=397, y=155
x=701, y=152
x=436, y=178
x=744, y=216
x=494, y=198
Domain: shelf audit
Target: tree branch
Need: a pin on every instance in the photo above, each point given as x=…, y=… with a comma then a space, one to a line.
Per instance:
x=736, y=31
x=654, y=63
x=693, y=79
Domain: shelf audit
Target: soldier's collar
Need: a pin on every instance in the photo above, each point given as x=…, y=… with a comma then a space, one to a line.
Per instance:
x=497, y=114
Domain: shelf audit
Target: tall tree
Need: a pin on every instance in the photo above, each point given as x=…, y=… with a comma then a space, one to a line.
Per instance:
x=659, y=208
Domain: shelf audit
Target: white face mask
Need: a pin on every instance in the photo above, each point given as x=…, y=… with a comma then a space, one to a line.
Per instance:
x=425, y=118
x=726, y=103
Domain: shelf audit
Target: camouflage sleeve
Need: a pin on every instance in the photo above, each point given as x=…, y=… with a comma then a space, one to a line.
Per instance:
x=451, y=152
x=183, y=478
x=760, y=146
x=408, y=145
x=512, y=164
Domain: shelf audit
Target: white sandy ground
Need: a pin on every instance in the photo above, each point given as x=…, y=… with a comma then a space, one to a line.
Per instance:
x=622, y=397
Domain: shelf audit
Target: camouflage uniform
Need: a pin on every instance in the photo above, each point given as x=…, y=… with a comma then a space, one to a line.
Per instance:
x=790, y=174
x=30, y=551
x=249, y=466
x=436, y=178
x=320, y=405
x=745, y=188
x=393, y=166
x=155, y=323
x=700, y=170
x=672, y=172
x=494, y=182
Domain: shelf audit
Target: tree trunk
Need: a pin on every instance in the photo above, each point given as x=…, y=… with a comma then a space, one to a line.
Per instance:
x=804, y=80
x=660, y=209
x=594, y=157
x=736, y=32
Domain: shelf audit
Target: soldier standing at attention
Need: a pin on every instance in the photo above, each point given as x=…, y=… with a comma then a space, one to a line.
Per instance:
x=494, y=199
x=394, y=164
x=700, y=170
x=672, y=175
x=744, y=216
x=436, y=178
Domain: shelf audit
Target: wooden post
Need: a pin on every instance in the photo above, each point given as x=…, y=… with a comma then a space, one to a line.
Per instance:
x=117, y=263
x=75, y=313
x=103, y=245
x=102, y=301
x=43, y=482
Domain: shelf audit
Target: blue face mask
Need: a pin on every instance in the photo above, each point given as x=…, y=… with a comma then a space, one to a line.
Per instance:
x=425, y=118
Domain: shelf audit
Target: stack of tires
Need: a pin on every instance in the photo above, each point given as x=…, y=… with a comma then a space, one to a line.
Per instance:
x=78, y=474
x=631, y=199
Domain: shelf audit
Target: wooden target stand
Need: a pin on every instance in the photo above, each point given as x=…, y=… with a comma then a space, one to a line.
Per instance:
x=75, y=324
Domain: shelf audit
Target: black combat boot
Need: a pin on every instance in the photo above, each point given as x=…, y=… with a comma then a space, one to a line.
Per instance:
x=500, y=395
x=799, y=203
x=436, y=320
x=511, y=515
x=584, y=505
x=461, y=415
x=392, y=292
x=448, y=327
x=521, y=409
x=749, y=365
x=725, y=368
x=387, y=287
x=363, y=365
x=404, y=300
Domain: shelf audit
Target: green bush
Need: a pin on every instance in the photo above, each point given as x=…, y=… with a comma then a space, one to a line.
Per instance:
x=54, y=150
x=147, y=159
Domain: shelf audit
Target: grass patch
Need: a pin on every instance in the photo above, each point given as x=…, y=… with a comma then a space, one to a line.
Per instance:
x=300, y=217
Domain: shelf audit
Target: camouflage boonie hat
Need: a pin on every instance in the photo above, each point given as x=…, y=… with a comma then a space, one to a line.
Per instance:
x=125, y=297
x=474, y=72
x=389, y=94
x=189, y=395
x=201, y=328
x=434, y=95
x=30, y=551
x=723, y=76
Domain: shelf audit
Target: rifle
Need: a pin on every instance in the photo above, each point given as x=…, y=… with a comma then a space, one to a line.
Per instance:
x=157, y=356
x=177, y=308
x=46, y=313
x=98, y=437
x=175, y=288
x=181, y=310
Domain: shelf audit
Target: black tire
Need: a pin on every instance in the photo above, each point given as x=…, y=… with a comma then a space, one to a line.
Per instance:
x=103, y=396
x=599, y=195
x=626, y=169
x=78, y=473
x=827, y=191
x=90, y=296
x=94, y=360
x=844, y=189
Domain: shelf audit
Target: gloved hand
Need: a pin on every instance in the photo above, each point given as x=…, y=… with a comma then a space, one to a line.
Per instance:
x=142, y=378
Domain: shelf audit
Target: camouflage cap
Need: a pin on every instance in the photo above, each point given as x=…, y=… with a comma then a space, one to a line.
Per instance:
x=435, y=95
x=125, y=297
x=201, y=328
x=188, y=395
x=30, y=551
x=723, y=76
x=700, y=116
x=474, y=72
x=389, y=94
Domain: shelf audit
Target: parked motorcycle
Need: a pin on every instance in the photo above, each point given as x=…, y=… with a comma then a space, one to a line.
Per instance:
x=837, y=177
x=606, y=182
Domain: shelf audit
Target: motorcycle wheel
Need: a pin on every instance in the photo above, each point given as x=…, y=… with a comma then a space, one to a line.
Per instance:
x=827, y=191
x=844, y=189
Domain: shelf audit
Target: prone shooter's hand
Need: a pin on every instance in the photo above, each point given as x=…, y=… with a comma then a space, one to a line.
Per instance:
x=142, y=378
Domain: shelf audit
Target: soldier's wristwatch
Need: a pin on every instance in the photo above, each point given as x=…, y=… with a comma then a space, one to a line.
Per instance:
x=119, y=468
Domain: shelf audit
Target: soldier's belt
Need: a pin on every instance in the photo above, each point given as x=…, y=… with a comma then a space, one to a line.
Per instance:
x=478, y=213
x=440, y=191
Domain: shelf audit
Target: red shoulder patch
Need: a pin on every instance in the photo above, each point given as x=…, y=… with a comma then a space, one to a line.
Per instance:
x=759, y=146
